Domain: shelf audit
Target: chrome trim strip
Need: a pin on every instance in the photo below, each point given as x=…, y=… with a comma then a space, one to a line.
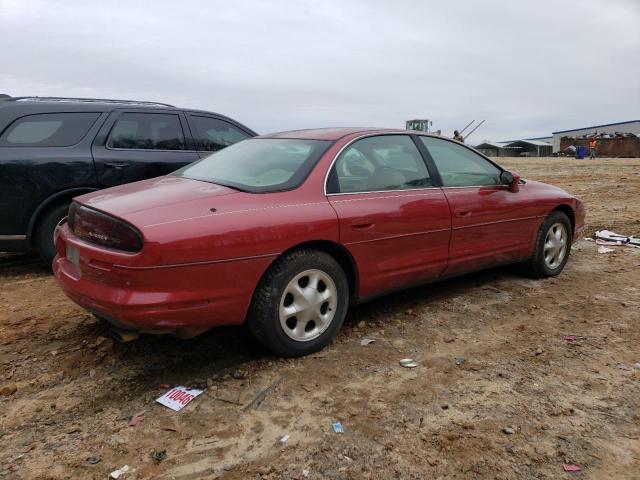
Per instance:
x=393, y=237
x=497, y=222
x=382, y=191
x=203, y=262
x=408, y=133
x=383, y=197
x=13, y=237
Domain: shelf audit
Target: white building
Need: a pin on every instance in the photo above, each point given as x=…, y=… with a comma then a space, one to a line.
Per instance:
x=632, y=126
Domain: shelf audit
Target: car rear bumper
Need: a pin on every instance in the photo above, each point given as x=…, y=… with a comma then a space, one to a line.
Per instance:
x=162, y=299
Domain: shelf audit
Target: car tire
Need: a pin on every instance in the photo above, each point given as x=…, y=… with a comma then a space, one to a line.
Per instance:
x=45, y=229
x=290, y=316
x=552, y=247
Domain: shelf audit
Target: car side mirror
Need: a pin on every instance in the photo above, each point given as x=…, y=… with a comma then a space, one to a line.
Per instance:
x=512, y=179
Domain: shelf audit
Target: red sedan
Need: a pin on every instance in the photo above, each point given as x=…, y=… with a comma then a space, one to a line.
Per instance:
x=285, y=231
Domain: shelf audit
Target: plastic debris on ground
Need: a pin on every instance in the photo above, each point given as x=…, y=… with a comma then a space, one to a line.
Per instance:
x=119, y=473
x=570, y=338
x=602, y=249
x=569, y=467
x=178, y=397
x=460, y=360
x=284, y=439
x=136, y=419
x=337, y=427
x=607, y=237
x=408, y=363
x=93, y=460
x=366, y=341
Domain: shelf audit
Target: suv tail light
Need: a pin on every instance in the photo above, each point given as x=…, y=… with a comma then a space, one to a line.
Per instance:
x=102, y=229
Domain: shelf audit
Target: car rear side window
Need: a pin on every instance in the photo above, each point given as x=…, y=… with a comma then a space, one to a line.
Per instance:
x=213, y=134
x=459, y=166
x=147, y=131
x=48, y=129
x=373, y=164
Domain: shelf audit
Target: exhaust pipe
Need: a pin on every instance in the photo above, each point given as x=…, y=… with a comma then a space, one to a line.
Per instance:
x=124, y=336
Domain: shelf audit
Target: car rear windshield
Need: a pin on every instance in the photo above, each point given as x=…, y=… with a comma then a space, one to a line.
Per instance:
x=260, y=164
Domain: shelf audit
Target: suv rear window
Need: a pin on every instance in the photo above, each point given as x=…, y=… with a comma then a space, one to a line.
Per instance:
x=48, y=130
x=147, y=131
x=213, y=134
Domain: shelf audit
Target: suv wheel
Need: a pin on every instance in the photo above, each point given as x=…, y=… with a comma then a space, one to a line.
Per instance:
x=45, y=231
x=300, y=303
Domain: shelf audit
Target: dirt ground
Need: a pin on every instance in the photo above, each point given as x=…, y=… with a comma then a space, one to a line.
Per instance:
x=524, y=401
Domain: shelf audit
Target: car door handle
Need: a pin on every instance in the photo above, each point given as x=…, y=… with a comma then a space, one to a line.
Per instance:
x=117, y=165
x=364, y=225
x=463, y=213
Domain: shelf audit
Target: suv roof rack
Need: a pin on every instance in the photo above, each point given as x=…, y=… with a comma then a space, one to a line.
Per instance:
x=89, y=100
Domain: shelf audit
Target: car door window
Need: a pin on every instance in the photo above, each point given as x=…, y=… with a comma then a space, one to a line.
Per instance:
x=48, y=130
x=460, y=166
x=147, y=131
x=213, y=134
x=384, y=162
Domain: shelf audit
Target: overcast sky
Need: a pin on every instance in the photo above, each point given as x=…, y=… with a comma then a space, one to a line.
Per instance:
x=527, y=67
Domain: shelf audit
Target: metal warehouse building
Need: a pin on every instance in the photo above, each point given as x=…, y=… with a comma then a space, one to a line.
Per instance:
x=491, y=149
x=529, y=147
x=632, y=126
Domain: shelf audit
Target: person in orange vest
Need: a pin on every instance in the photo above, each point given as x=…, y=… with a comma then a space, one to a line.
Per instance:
x=593, y=144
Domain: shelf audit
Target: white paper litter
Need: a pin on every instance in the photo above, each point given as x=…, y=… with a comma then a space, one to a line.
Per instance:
x=178, y=397
x=605, y=250
x=116, y=474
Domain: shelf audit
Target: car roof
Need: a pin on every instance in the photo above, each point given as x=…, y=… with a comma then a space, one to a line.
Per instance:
x=94, y=104
x=31, y=105
x=332, y=133
x=72, y=101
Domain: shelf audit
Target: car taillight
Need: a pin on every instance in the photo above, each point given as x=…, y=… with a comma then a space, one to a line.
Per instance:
x=102, y=229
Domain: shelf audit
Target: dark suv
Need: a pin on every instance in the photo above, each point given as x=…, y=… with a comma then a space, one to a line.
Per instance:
x=53, y=149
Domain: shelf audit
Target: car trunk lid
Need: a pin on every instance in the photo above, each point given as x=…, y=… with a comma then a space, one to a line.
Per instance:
x=132, y=200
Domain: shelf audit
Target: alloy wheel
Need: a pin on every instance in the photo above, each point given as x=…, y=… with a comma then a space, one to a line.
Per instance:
x=555, y=245
x=308, y=305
